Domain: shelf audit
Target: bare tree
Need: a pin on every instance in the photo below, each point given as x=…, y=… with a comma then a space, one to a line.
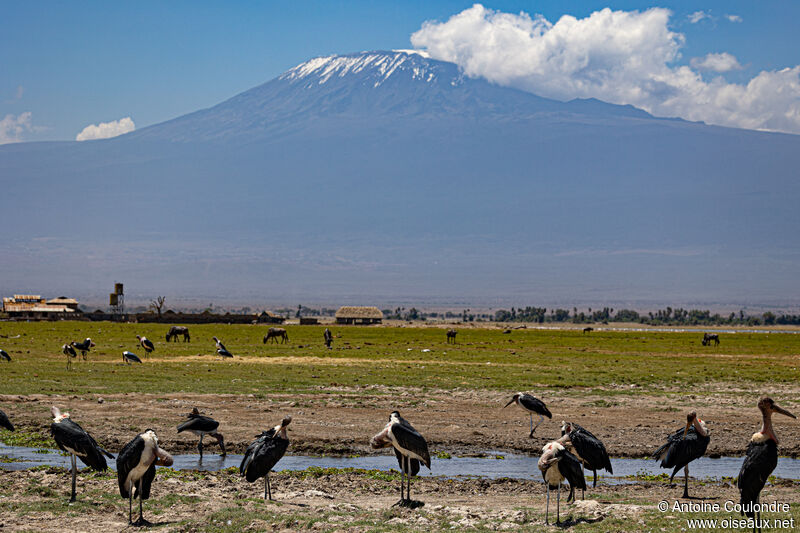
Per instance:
x=158, y=304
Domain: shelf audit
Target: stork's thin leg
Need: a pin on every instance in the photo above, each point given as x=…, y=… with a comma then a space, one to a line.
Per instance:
x=547, y=505
x=531, y=435
x=130, y=504
x=583, y=470
x=265, y=487
x=533, y=428
x=558, y=505
x=200, y=446
x=686, y=481
x=74, y=475
x=757, y=515
x=269, y=487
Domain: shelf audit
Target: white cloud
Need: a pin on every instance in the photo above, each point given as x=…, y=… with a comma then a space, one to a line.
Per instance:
x=697, y=16
x=733, y=18
x=723, y=62
x=622, y=57
x=12, y=127
x=106, y=130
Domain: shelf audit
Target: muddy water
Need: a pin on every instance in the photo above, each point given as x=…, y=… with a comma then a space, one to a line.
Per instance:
x=490, y=466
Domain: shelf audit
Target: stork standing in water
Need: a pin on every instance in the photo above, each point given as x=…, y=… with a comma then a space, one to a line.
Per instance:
x=589, y=450
x=130, y=357
x=136, y=469
x=264, y=453
x=531, y=405
x=221, y=350
x=5, y=422
x=410, y=448
x=556, y=465
x=73, y=439
x=761, y=459
x=202, y=425
x=683, y=447
x=84, y=346
x=4, y=356
x=146, y=344
x=70, y=352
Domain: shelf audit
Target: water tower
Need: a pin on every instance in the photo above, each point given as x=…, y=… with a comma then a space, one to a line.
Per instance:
x=117, y=302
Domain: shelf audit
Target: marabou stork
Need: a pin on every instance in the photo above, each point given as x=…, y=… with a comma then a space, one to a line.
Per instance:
x=5, y=422
x=761, y=459
x=202, y=425
x=146, y=344
x=264, y=453
x=70, y=352
x=683, y=447
x=84, y=346
x=531, y=405
x=4, y=356
x=556, y=465
x=221, y=350
x=130, y=357
x=589, y=450
x=73, y=439
x=410, y=449
x=136, y=469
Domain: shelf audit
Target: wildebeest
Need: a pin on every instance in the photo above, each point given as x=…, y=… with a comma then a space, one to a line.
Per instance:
x=328, y=336
x=451, y=336
x=588, y=329
x=708, y=338
x=174, y=331
x=276, y=333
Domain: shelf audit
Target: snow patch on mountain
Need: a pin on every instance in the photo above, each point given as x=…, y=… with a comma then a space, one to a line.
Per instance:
x=378, y=66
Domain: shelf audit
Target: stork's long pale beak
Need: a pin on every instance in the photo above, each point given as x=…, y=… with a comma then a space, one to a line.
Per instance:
x=163, y=458
x=509, y=402
x=782, y=411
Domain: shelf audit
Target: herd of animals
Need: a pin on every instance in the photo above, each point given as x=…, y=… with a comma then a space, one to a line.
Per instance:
x=564, y=459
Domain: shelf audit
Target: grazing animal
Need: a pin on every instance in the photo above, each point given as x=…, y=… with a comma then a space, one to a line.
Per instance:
x=136, y=470
x=273, y=334
x=4, y=356
x=70, y=352
x=410, y=448
x=587, y=448
x=5, y=422
x=129, y=357
x=202, y=425
x=451, y=336
x=83, y=346
x=221, y=350
x=683, y=447
x=588, y=329
x=146, y=344
x=708, y=338
x=761, y=459
x=556, y=465
x=74, y=440
x=264, y=453
x=328, y=336
x=531, y=405
x=174, y=331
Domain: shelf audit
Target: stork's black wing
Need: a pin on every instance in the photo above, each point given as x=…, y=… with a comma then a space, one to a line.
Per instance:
x=409, y=439
x=759, y=463
x=413, y=468
x=224, y=353
x=147, y=343
x=4, y=355
x=127, y=460
x=199, y=423
x=535, y=404
x=591, y=449
x=570, y=468
x=71, y=437
x=262, y=455
x=5, y=422
x=679, y=451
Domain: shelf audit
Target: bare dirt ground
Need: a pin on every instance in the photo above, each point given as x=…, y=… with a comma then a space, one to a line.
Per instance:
x=459, y=422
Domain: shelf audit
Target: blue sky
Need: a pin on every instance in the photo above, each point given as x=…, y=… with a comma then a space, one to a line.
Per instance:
x=71, y=64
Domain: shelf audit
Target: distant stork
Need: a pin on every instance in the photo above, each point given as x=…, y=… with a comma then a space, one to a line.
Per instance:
x=70, y=352
x=683, y=447
x=146, y=344
x=556, y=465
x=136, y=469
x=761, y=459
x=202, y=425
x=410, y=448
x=588, y=449
x=264, y=453
x=130, y=357
x=531, y=405
x=221, y=350
x=4, y=356
x=73, y=439
x=5, y=422
x=84, y=346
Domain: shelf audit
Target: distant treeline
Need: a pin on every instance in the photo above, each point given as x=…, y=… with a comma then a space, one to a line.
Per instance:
x=662, y=317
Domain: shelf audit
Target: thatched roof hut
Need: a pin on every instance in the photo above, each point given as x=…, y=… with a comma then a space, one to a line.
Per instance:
x=350, y=314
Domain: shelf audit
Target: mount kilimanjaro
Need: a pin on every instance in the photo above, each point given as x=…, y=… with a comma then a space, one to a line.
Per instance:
x=393, y=177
